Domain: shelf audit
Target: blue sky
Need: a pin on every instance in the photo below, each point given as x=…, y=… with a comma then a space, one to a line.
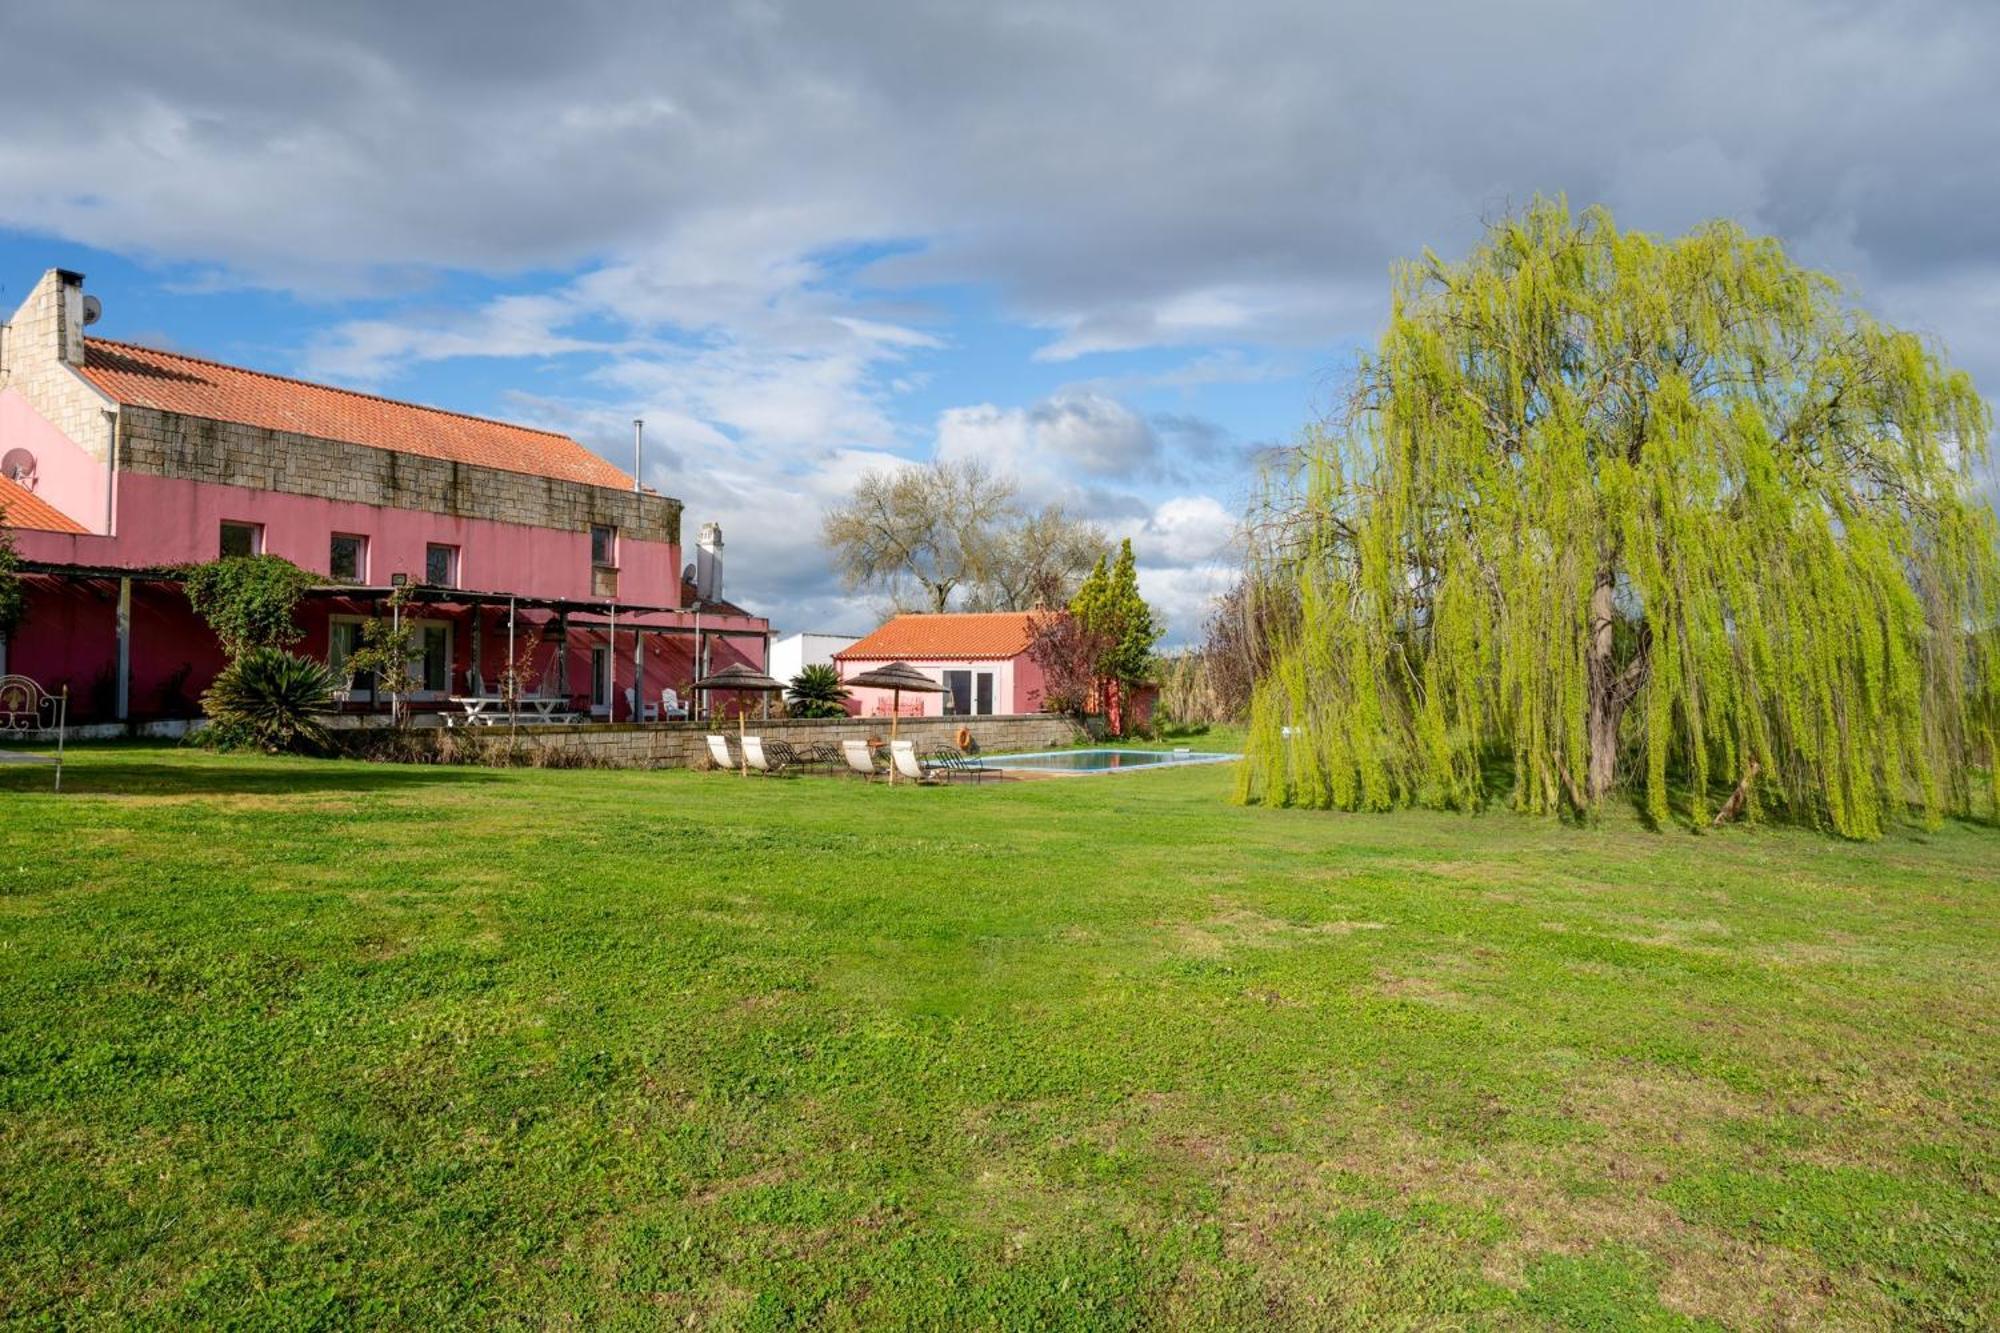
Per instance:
x=1112, y=249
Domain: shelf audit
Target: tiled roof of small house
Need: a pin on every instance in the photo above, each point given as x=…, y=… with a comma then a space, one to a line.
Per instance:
x=171, y=382
x=22, y=508
x=951, y=635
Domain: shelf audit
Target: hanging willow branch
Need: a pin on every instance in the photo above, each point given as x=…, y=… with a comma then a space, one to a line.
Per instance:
x=1610, y=509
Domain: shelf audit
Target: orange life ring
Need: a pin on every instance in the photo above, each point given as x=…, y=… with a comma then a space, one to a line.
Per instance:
x=962, y=738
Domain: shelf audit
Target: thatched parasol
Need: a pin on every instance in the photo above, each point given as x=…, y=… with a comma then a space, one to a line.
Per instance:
x=899, y=678
x=740, y=678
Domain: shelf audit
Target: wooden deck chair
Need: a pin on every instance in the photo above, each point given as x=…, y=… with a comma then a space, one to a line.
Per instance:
x=860, y=758
x=903, y=754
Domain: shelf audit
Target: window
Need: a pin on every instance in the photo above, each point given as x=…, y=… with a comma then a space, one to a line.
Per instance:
x=347, y=558
x=242, y=538
x=441, y=566
x=603, y=545
x=969, y=692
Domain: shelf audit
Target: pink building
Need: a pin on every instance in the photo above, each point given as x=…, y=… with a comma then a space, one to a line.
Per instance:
x=981, y=659
x=119, y=463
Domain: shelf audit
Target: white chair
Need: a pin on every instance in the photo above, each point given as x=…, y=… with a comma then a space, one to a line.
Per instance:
x=753, y=754
x=671, y=707
x=640, y=712
x=903, y=754
x=718, y=752
x=859, y=757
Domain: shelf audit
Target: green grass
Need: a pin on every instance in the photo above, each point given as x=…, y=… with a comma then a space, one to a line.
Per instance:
x=291, y=1044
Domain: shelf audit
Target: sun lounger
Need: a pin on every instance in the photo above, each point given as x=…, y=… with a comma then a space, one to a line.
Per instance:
x=718, y=752
x=958, y=764
x=859, y=757
x=903, y=754
x=770, y=758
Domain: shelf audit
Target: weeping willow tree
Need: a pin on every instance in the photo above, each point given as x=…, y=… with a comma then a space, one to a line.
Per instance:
x=1611, y=511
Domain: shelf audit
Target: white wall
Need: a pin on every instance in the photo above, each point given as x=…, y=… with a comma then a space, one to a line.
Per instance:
x=795, y=652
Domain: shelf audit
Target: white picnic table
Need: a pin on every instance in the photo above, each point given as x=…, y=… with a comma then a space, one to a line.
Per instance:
x=485, y=710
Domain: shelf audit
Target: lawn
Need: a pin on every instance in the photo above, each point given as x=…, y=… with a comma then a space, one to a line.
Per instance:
x=294, y=1043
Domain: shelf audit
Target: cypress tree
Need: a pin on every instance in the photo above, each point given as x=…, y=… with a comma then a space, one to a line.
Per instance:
x=1613, y=510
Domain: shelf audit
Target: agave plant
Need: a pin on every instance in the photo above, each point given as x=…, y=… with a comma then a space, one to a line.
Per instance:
x=268, y=699
x=817, y=692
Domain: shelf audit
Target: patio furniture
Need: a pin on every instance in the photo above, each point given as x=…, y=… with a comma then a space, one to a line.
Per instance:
x=903, y=759
x=958, y=764
x=641, y=712
x=485, y=710
x=899, y=678
x=671, y=707
x=741, y=679
x=24, y=707
x=718, y=752
x=771, y=758
x=824, y=752
x=860, y=758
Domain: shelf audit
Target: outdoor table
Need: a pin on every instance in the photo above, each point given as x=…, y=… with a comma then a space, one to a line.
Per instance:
x=488, y=709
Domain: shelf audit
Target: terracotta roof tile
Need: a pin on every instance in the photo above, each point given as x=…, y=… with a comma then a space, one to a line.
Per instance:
x=171, y=382
x=22, y=508
x=964, y=635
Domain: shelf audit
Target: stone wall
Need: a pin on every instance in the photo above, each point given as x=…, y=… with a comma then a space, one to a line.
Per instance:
x=684, y=744
x=167, y=444
x=32, y=362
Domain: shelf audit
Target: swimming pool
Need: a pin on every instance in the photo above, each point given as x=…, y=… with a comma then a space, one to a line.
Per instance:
x=1100, y=761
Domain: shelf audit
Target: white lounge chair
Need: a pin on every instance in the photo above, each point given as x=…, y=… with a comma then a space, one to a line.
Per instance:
x=671, y=707
x=859, y=757
x=903, y=754
x=718, y=752
x=753, y=755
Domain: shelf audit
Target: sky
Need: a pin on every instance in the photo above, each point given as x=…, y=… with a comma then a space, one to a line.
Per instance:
x=1115, y=250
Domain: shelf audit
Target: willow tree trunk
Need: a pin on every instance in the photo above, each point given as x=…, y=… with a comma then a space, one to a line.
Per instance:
x=1610, y=687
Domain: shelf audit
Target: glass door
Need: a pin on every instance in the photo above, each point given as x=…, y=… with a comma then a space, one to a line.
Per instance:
x=958, y=691
x=983, y=702
x=600, y=679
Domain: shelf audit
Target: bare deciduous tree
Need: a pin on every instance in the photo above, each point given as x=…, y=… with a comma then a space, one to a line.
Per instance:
x=927, y=533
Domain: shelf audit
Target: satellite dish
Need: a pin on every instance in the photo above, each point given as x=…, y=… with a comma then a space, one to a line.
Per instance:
x=93, y=310
x=18, y=466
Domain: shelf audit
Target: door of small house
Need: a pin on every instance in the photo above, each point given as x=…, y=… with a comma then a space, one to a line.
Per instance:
x=969, y=692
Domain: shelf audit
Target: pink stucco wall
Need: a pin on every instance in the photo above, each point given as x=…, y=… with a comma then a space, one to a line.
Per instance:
x=168, y=521
x=1017, y=686
x=66, y=476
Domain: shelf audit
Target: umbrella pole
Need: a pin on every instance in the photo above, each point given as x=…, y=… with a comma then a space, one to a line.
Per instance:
x=742, y=757
x=895, y=714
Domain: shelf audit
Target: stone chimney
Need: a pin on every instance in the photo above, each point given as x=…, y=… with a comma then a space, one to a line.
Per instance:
x=47, y=329
x=708, y=563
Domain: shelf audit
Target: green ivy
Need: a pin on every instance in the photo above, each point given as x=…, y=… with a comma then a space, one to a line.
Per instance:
x=248, y=600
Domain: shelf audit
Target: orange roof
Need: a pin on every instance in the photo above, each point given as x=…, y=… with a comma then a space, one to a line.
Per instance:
x=967, y=635
x=22, y=508
x=170, y=382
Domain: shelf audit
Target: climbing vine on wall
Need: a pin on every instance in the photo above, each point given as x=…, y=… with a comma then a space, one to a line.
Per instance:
x=248, y=600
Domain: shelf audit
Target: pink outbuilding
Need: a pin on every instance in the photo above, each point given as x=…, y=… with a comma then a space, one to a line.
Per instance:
x=121, y=463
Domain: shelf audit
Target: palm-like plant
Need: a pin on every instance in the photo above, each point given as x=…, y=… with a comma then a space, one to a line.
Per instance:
x=817, y=692
x=268, y=698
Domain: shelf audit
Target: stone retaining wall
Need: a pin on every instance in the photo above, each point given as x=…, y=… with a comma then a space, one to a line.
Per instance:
x=684, y=744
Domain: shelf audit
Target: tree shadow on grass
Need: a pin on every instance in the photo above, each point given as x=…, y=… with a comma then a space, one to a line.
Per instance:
x=224, y=777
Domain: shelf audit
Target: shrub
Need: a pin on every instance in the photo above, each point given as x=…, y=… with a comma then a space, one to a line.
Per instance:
x=817, y=692
x=248, y=600
x=268, y=699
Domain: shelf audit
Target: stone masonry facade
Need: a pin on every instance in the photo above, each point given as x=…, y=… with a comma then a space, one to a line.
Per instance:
x=39, y=355
x=167, y=444
x=42, y=348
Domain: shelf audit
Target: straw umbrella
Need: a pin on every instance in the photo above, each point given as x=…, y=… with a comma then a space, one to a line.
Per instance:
x=899, y=678
x=745, y=679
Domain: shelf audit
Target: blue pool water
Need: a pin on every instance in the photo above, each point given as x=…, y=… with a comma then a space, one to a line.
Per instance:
x=1100, y=761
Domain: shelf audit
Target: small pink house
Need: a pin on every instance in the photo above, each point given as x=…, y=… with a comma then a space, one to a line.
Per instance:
x=980, y=658
x=119, y=463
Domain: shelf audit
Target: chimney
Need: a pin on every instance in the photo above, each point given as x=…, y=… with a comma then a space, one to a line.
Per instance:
x=49, y=325
x=708, y=563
